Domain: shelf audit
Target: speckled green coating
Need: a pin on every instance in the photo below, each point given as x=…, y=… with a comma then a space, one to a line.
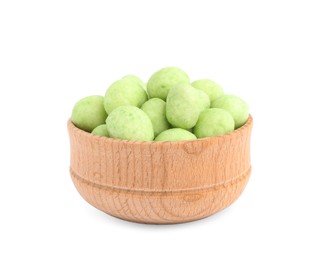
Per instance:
x=136, y=79
x=175, y=134
x=101, y=130
x=214, y=122
x=124, y=92
x=184, y=104
x=155, y=108
x=130, y=123
x=89, y=113
x=161, y=82
x=212, y=89
x=236, y=106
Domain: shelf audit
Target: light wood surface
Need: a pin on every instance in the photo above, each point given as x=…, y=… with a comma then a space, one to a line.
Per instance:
x=160, y=182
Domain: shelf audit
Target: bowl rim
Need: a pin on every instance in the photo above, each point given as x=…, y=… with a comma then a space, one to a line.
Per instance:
x=73, y=128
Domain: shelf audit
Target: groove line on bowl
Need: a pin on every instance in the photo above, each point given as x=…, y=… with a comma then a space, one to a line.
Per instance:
x=210, y=187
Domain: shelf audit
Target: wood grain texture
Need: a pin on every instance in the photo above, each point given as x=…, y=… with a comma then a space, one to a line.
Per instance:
x=160, y=182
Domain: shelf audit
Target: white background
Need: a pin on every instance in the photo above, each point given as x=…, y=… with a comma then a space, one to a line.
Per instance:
x=271, y=53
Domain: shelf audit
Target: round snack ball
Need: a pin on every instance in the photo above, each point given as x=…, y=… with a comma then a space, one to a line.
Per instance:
x=184, y=105
x=214, y=122
x=136, y=79
x=175, y=134
x=124, y=92
x=155, y=108
x=160, y=82
x=89, y=113
x=212, y=89
x=101, y=130
x=130, y=123
x=237, y=107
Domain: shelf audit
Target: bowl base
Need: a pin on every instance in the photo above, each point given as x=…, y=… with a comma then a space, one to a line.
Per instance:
x=170, y=207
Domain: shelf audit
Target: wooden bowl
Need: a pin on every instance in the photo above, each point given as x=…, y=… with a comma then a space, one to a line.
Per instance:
x=160, y=182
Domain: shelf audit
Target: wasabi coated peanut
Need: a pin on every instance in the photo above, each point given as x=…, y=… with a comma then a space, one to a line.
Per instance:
x=155, y=108
x=212, y=89
x=237, y=107
x=184, y=104
x=89, y=113
x=136, y=79
x=124, y=92
x=100, y=130
x=161, y=82
x=175, y=134
x=214, y=122
x=130, y=123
